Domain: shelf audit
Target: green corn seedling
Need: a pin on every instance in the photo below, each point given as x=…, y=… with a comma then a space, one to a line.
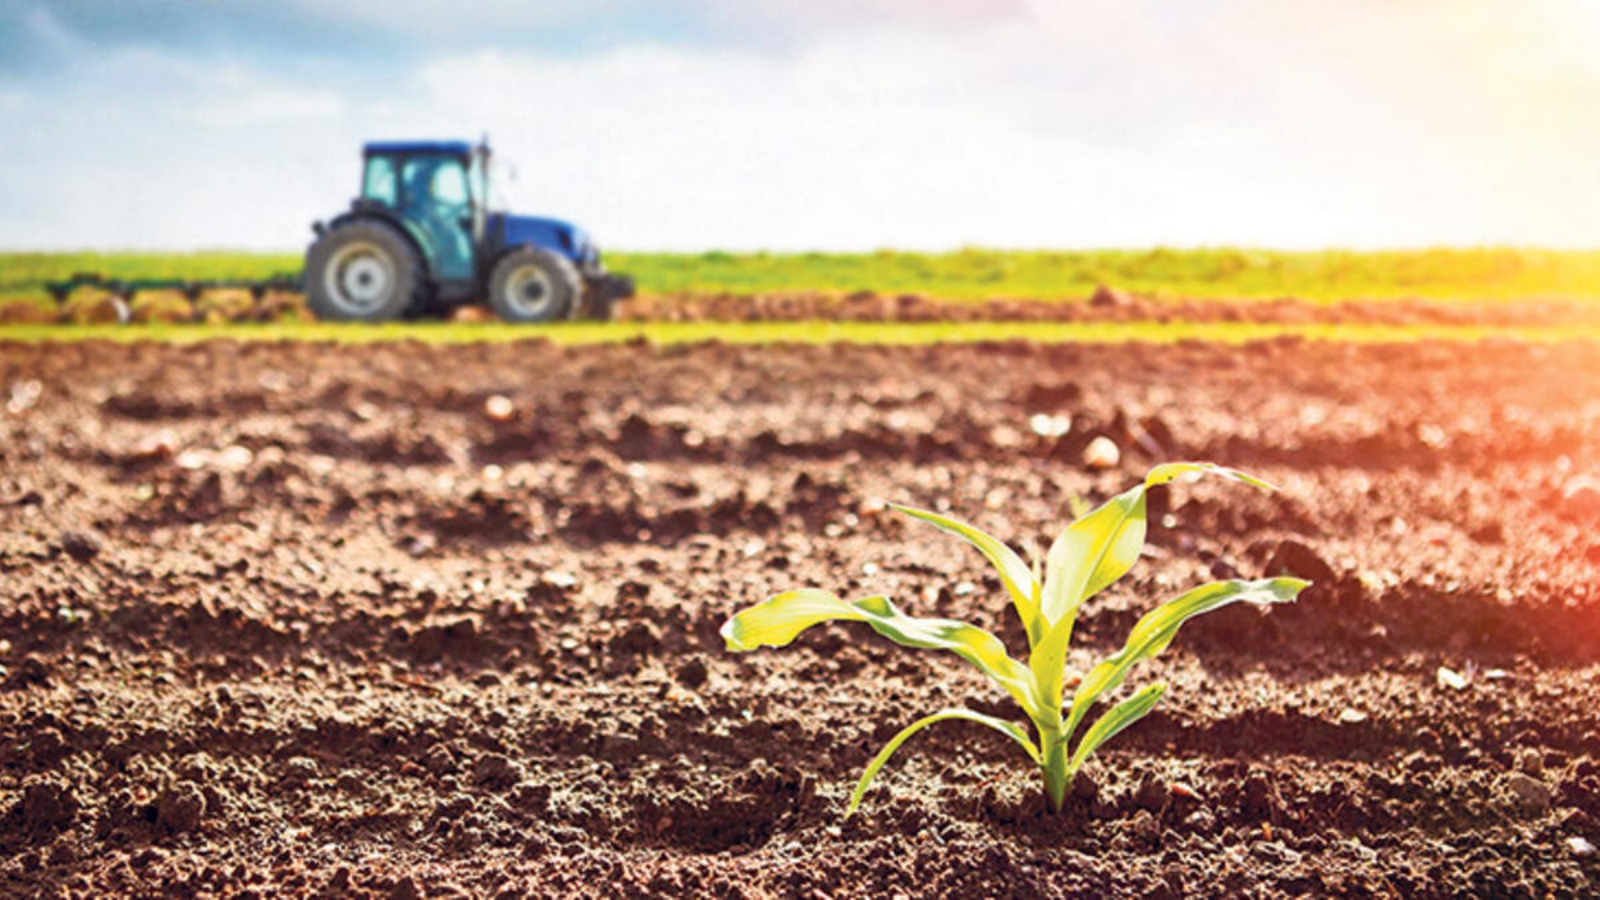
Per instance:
x=1095, y=550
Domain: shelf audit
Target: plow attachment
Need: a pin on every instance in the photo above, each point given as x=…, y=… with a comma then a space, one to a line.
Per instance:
x=121, y=292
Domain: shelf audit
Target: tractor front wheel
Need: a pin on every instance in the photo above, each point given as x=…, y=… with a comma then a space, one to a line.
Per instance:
x=363, y=271
x=533, y=285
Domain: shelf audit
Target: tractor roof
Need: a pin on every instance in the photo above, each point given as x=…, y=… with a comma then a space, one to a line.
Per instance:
x=443, y=148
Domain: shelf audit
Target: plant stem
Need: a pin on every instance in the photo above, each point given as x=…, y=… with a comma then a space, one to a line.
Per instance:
x=1053, y=747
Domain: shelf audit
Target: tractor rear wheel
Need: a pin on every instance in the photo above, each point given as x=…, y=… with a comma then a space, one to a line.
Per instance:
x=533, y=285
x=363, y=271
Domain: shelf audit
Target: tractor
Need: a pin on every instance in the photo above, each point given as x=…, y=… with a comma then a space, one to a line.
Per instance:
x=420, y=240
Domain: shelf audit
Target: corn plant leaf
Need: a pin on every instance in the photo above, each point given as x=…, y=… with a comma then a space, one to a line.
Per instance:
x=1091, y=554
x=1167, y=472
x=1019, y=580
x=1010, y=729
x=1156, y=629
x=1102, y=546
x=1119, y=717
x=782, y=618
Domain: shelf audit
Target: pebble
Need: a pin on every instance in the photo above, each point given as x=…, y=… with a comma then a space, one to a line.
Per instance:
x=1450, y=678
x=1526, y=792
x=1102, y=453
x=1580, y=846
x=499, y=408
x=80, y=545
x=1048, y=426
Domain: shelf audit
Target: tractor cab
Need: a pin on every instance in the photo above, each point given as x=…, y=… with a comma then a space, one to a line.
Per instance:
x=420, y=239
x=439, y=190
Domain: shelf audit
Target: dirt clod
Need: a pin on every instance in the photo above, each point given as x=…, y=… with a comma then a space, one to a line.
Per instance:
x=181, y=807
x=496, y=771
x=48, y=805
x=1301, y=561
x=693, y=672
x=80, y=545
x=1152, y=793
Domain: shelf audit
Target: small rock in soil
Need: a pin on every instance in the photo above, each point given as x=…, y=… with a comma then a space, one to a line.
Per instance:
x=1297, y=559
x=181, y=807
x=1450, y=678
x=1580, y=846
x=1101, y=454
x=1526, y=792
x=499, y=408
x=48, y=805
x=1048, y=426
x=80, y=545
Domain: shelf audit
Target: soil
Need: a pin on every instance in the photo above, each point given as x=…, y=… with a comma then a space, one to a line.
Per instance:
x=293, y=620
x=1106, y=305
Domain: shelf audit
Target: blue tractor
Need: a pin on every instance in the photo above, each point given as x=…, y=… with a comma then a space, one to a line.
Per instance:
x=421, y=240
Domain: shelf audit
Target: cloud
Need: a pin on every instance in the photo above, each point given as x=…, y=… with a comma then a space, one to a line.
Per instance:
x=830, y=125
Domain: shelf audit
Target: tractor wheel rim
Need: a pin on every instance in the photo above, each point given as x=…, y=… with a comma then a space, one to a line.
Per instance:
x=530, y=291
x=360, y=277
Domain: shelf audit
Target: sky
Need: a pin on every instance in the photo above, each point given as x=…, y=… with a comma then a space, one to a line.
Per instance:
x=817, y=124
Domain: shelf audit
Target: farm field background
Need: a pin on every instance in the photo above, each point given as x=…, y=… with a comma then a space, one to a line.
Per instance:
x=977, y=274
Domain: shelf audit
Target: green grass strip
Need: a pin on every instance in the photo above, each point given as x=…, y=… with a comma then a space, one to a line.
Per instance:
x=1465, y=273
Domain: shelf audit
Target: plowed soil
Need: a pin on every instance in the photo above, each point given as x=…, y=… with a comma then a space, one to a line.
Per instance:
x=298, y=620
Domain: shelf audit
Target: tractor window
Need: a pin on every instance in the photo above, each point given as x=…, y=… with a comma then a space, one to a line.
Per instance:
x=450, y=184
x=380, y=181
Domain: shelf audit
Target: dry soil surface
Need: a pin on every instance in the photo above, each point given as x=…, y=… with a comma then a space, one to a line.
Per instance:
x=299, y=620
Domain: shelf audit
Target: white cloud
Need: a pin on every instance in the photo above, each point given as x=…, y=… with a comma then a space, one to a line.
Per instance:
x=1111, y=122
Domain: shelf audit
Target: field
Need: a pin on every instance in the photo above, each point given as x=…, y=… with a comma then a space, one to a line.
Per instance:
x=977, y=274
x=310, y=619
